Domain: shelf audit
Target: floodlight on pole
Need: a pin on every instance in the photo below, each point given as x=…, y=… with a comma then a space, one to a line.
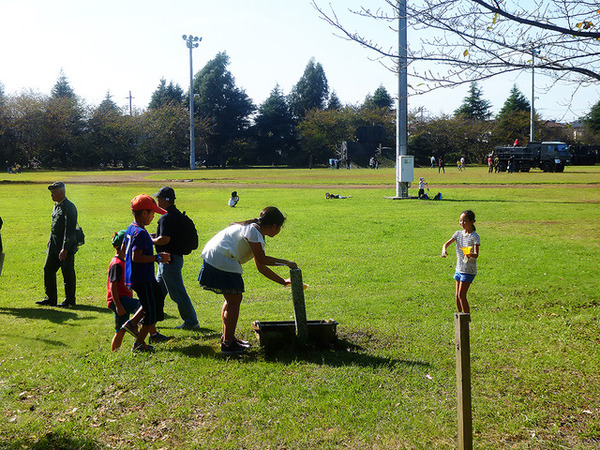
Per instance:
x=192, y=42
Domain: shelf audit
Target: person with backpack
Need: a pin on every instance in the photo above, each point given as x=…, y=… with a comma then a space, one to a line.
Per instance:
x=175, y=234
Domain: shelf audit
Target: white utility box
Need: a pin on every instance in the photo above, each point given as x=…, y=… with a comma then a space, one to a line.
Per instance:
x=405, y=169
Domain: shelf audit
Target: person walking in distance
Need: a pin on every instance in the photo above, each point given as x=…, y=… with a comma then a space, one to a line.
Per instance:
x=441, y=165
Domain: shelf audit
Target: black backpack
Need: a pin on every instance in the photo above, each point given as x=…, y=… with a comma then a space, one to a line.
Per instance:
x=187, y=240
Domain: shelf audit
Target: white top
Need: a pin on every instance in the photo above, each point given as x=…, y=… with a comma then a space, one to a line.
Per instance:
x=465, y=240
x=422, y=184
x=233, y=201
x=230, y=248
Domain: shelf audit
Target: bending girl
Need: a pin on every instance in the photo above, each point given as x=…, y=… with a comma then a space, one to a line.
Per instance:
x=222, y=270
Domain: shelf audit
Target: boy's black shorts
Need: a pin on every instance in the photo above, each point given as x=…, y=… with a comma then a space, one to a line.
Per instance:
x=152, y=300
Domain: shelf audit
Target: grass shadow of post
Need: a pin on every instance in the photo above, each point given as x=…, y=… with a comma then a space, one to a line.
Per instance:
x=463, y=380
x=299, y=306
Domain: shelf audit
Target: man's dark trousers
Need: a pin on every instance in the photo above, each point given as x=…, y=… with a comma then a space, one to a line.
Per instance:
x=68, y=270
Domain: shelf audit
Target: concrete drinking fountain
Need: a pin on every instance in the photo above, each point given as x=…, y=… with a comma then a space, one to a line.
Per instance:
x=300, y=330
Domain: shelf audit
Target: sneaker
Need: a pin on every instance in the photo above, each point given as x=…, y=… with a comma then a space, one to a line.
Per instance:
x=185, y=326
x=130, y=328
x=239, y=341
x=232, y=348
x=143, y=347
x=159, y=338
x=243, y=343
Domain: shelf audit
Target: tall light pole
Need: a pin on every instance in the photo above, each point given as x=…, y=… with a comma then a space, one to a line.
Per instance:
x=192, y=42
x=532, y=111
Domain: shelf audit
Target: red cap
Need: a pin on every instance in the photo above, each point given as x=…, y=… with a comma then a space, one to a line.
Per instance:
x=144, y=201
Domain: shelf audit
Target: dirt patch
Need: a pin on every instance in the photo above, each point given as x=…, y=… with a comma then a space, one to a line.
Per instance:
x=136, y=178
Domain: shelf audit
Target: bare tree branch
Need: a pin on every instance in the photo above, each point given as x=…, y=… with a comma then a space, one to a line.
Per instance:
x=474, y=40
x=534, y=23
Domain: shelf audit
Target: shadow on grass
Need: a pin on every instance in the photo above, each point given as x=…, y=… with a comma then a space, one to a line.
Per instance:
x=52, y=315
x=198, y=349
x=90, y=308
x=341, y=353
x=51, y=440
x=45, y=341
x=517, y=200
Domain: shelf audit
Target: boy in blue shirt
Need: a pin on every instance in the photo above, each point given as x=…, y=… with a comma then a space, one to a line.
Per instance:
x=139, y=268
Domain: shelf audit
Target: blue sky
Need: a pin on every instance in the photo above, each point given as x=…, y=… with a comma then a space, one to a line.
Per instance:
x=129, y=45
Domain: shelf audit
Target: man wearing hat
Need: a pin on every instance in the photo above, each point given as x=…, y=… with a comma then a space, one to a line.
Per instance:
x=62, y=246
x=169, y=275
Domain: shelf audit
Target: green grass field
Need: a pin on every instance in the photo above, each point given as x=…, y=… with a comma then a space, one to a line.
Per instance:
x=372, y=264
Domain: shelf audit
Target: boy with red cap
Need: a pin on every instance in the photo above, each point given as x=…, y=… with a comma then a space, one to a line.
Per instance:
x=139, y=267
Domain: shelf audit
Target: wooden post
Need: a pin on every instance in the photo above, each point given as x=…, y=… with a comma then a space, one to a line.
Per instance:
x=299, y=306
x=463, y=381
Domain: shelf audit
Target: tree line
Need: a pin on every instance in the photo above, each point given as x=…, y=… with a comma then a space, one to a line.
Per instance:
x=302, y=128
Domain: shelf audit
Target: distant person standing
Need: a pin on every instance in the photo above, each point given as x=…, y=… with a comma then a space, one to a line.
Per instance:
x=511, y=164
x=441, y=165
x=168, y=239
x=62, y=246
x=462, y=163
x=422, y=185
x=433, y=162
x=490, y=164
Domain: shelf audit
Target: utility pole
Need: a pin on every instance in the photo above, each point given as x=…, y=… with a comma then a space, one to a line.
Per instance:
x=130, y=105
x=402, y=109
x=192, y=42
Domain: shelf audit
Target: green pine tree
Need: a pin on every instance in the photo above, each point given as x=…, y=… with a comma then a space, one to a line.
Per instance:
x=516, y=102
x=474, y=106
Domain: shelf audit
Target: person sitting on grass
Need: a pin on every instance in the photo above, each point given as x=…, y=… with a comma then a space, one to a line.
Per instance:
x=139, y=269
x=234, y=199
x=222, y=269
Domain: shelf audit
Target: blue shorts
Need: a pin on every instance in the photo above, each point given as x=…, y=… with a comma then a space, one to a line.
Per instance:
x=131, y=305
x=219, y=281
x=458, y=276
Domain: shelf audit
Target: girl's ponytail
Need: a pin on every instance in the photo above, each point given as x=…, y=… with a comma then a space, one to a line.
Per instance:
x=267, y=217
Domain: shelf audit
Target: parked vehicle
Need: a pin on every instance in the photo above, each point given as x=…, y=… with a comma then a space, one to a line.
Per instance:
x=548, y=156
